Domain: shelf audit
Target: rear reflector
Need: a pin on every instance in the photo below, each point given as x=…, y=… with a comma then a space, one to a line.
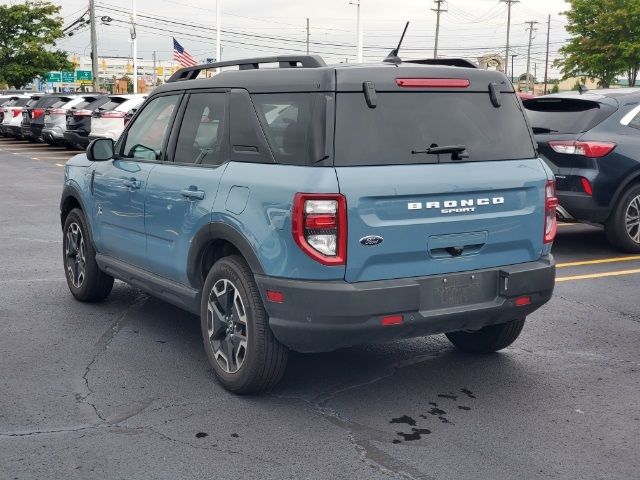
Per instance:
x=433, y=82
x=392, y=320
x=523, y=301
x=275, y=296
x=586, y=185
x=587, y=149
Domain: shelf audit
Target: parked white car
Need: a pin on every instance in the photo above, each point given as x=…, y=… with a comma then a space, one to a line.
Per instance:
x=12, y=115
x=108, y=121
x=55, y=118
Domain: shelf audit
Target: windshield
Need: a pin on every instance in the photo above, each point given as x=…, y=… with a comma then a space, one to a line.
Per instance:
x=403, y=126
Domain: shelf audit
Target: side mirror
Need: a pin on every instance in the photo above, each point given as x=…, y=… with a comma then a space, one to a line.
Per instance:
x=100, y=150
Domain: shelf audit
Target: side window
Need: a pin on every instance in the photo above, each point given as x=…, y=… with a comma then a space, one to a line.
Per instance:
x=202, y=138
x=145, y=137
x=635, y=122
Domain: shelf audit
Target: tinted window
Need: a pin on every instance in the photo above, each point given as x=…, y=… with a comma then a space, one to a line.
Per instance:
x=32, y=101
x=145, y=138
x=113, y=103
x=20, y=102
x=202, y=137
x=88, y=101
x=565, y=115
x=294, y=124
x=406, y=122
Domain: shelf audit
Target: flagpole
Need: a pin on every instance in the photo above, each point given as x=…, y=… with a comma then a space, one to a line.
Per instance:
x=218, y=44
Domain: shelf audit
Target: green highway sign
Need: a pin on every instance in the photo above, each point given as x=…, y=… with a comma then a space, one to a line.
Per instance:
x=67, y=77
x=84, y=75
x=54, y=77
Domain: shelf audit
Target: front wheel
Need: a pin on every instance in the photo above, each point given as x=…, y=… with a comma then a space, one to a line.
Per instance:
x=488, y=339
x=244, y=354
x=623, y=227
x=85, y=279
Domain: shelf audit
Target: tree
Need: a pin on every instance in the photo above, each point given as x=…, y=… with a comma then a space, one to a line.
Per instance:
x=604, y=40
x=29, y=32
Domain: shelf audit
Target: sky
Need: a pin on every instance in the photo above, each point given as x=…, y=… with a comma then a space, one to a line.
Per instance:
x=469, y=28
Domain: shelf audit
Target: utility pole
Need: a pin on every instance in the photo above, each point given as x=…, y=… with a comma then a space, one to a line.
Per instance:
x=513, y=55
x=546, y=59
x=307, y=35
x=155, y=77
x=135, y=47
x=359, y=28
x=506, y=57
x=438, y=11
x=531, y=29
x=94, y=44
x=218, y=29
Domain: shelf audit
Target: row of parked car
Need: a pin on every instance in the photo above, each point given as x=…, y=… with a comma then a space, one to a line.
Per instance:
x=65, y=119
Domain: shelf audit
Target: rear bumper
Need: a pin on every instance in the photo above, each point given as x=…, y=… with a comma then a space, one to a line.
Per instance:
x=13, y=130
x=318, y=316
x=583, y=207
x=78, y=138
x=53, y=133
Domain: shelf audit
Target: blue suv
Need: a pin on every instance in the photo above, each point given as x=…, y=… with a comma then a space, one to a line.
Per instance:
x=313, y=207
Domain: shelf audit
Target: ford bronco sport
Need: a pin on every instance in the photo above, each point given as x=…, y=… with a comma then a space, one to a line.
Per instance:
x=313, y=207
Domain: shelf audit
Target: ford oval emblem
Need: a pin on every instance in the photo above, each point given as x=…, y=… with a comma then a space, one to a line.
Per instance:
x=371, y=240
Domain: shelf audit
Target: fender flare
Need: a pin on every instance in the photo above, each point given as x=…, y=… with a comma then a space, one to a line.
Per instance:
x=69, y=191
x=633, y=177
x=218, y=231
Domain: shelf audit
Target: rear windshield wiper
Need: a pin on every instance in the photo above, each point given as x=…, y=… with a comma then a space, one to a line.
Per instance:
x=458, y=152
x=543, y=130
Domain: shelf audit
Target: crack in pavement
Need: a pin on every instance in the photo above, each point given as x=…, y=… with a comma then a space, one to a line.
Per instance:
x=101, y=346
x=634, y=317
x=362, y=436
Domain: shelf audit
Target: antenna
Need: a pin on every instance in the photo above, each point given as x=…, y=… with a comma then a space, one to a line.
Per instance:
x=393, y=55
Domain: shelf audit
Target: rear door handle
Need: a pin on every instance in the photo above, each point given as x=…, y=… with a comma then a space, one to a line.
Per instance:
x=192, y=193
x=132, y=183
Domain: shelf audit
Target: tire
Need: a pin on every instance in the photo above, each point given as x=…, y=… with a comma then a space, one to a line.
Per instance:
x=622, y=235
x=86, y=281
x=258, y=360
x=488, y=339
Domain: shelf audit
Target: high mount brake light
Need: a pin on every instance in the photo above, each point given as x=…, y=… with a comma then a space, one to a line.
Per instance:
x=319, y=226
x=433, y=82
x=587, y=149
x=550, y=206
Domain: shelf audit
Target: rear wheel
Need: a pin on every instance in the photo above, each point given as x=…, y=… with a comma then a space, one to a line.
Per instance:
x=623, y=227
x=244, y=354
x=488, y=339
x=85, y=280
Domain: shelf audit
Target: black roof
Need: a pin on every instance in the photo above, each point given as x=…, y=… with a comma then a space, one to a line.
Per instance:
x=309, y=74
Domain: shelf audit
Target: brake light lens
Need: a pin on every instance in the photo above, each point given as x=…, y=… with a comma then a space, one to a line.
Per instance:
x=319, y=225
x=56, y=111
x=37, y=112
x=587, y=149
x=112, y=114
x=551, y=204
x=16, y=111
x=81, y=113
x=433, y=82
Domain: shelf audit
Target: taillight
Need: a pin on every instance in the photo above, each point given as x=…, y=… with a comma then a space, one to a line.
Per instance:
x=587, y=149
x=16, y=111
x=433, y=82
x=56, y=111
x=319, y=225
x=112, y=114
x=550, y=206
x=37, y=112
x=81, y=113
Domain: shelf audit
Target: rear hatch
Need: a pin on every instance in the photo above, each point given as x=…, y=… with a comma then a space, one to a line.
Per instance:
x=413, y=213
x=558, y=121
x=108, y=116
x=55, y=113
x=79, y=116
x=13, y=110
x=27, y=111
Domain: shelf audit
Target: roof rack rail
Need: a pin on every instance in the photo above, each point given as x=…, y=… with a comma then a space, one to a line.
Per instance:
x=285, y=61
x=451, y=62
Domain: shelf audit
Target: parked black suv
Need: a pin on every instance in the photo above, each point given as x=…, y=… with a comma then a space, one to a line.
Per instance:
x=33, y=114
x=79, y=120
x=591, y=141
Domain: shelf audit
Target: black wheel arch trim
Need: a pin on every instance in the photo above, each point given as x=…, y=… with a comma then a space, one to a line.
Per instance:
x=69, y=191
x=633, y=178
x=218, y=231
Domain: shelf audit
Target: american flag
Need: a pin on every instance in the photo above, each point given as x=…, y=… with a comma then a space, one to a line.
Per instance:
x=181, y=56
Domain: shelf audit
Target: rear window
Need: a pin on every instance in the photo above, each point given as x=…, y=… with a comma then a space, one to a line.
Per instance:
x=88, y=101
x=46, y=102
x=19, y=102
x=113, y=103
x=565, y=115
x=33, y=101
x=414, y=121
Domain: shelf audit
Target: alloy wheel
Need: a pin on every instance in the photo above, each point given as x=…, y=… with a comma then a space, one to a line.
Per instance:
x=75, y=253
x=632, y=219
x=227, y=325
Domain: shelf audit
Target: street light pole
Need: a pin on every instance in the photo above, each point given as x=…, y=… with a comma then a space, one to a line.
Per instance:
x=359, y=29
x=218, y=28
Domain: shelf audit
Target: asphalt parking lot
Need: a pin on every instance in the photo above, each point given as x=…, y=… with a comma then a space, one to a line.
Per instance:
x=122, y=389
